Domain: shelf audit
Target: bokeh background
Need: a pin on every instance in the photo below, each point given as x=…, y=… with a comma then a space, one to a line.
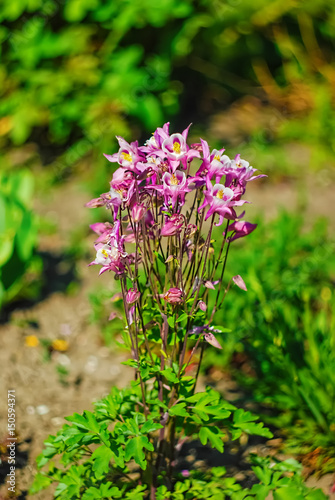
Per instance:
x=254, y=76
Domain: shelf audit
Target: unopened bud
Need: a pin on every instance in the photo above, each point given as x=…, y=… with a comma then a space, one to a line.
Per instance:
x=132, y=296
x=202, y=305
x=138, y=212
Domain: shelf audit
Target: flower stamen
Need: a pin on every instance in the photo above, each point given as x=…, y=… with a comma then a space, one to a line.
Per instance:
x=126, y=156
x=174, y=180
x=176, y=147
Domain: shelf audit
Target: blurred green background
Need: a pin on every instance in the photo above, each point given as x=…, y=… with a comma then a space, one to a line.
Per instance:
x=75, y=73
x=254, y=76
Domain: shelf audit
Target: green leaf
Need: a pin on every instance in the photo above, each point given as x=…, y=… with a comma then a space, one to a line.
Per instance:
x=170, y=375
x=150, y=426
x=101, y=458
x=171, y=320
x=214, y=435
x=137, y=493
x=178, y=410
x=134, y=449
x=86, y=421
x=244, y=421
x=316, y=495
x=41, y=481
x=182, y=317
x=159, y=256
x=291, y=492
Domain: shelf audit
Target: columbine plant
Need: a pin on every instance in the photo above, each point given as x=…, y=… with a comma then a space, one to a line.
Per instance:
x=165, y=200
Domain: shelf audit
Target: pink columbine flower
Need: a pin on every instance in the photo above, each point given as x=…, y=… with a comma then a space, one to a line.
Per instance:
x=174, y=185
x=238, y=173
x=175, y=147
x=111, y=254
x=173, y=225
x=154, y=144
x=104, y=230
x=132, y=296
x=173, y=296
x=221, y=201
x=241, y=228
x=213, y=163
x=128, y=154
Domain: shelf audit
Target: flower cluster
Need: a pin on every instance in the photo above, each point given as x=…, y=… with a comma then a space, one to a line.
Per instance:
x=165, y=198
x=150, y=186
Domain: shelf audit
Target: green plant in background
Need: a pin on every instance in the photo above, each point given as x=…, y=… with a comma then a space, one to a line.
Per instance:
x=18, y=234
x=75, y=70
x=286, y=330
x=73, y=73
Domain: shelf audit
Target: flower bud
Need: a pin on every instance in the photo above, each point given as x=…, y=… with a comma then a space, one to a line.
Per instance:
x=241, y=228
x=138, y=212
x=173, y=296
x=202, y=305
x=210, y=338
x=132, y=296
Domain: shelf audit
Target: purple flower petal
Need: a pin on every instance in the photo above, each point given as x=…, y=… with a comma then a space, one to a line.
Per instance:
x=210, y=338
x=238, y=280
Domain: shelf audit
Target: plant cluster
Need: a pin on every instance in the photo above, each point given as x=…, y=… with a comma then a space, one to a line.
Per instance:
x=165, y=198
x=282, y=349
x=18, y=233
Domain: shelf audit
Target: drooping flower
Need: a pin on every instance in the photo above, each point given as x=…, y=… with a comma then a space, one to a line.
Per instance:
x=132, y=296
x=202, y=306
x=173, y=225
x=173, y=296
x=239, y=281
x=211, y=339
x=241, y=228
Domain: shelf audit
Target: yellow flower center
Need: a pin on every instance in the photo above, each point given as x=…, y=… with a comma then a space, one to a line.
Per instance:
x=174, y=180
x=126, y=156
x=219, y=194
x=217, y=157
x=176, y=147
x=104, y=253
